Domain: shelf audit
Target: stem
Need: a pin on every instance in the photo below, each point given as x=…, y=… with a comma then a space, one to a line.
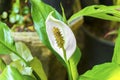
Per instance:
x=68, y=65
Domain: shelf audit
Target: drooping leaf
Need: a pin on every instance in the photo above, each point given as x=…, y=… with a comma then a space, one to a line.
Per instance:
x=74, y=60
x=6, y=40
x=11, y=73
x=37, y=67
x=99, y=11
x=23, y=51
x=107, y=71
x=116, y=55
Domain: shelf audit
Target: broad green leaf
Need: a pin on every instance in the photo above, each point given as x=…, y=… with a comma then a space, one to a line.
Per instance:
x=39, y=12
x=6, y=40
x=37, y=67
x=11, y=73
x=99, y=11
x=116, y=55
x=22, y=67
x=23, y=51
x=107, y=71
x=2, y=65
x=74, y=60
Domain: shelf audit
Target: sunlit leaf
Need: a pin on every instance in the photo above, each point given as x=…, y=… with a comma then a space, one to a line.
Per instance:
x=99, y=11
x=107, y=71
x=22, y=67
x=6, y=40
x=11, y=73
x=116, y=55
x=23, y=51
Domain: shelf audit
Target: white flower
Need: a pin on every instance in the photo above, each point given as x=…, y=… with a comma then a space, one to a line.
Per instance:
x=60, y=36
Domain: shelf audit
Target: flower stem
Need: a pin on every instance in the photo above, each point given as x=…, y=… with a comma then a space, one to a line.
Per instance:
x=68, y=65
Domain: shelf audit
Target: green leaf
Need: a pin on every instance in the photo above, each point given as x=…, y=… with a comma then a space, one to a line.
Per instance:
x=2, y=65
x=22, y=67
x=11, y=73
x=116, y=55
x=99, y=11
x=39, y=12
x=26, y=77
x=74, y=60
x=23, y=51
x=107, y=71
x=63, y=14
x=6, y=40
x=37, y=67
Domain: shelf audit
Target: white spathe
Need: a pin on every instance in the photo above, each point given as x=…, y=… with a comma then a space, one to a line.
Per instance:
x=68, y=36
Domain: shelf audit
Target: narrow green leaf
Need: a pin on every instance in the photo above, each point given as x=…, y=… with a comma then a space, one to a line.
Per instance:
x=107, y=71
x=6, y=40
x=63, y=14
x=2, y=65
x=11, y=73
x=74, y=62
x=116, y=55
x=23, y=51
x=99, y=11
x=37, y=67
